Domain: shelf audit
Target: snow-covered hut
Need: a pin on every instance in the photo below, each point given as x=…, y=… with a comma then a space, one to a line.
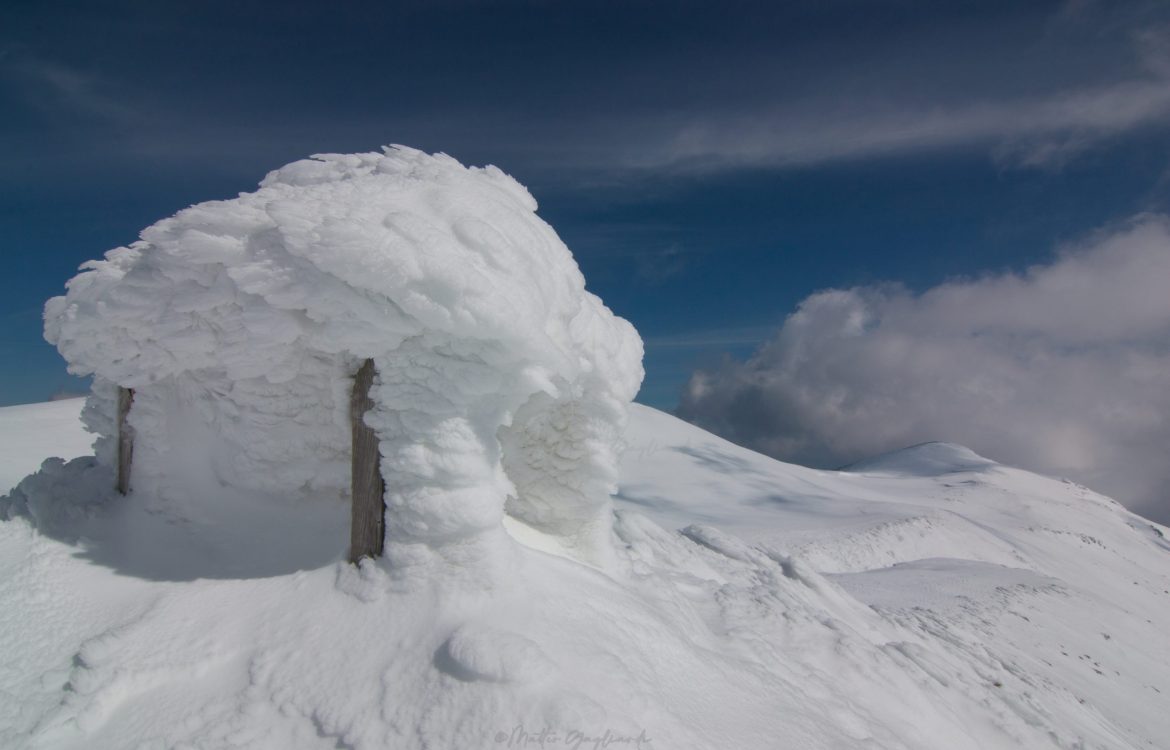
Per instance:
x=238, y=326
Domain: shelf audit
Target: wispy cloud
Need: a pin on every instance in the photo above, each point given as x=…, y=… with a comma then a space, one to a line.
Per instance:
x=1061, y=90
x=54, y=86
x=1024, y=132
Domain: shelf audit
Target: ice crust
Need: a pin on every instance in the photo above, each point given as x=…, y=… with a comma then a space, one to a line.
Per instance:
x=239, y=323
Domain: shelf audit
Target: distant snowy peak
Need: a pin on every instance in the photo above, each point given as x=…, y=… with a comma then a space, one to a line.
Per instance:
x=924, y=460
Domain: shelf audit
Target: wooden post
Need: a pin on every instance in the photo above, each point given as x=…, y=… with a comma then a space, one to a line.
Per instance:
x=367, y=524
x=125, y=439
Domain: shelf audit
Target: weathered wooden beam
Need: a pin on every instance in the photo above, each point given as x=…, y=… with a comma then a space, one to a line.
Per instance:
x=125, y=439
x=367, y=525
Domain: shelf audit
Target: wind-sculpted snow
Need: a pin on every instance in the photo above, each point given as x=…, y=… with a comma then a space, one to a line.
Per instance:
x=240, y=323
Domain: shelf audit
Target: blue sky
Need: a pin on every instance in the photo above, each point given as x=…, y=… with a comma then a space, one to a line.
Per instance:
x=710, y=165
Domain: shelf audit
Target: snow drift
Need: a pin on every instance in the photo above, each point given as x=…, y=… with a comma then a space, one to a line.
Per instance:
x=240, y=323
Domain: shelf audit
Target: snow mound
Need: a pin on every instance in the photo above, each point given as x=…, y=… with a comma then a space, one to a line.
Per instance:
x=924, y=460
x=240, y=323
x=60, y=496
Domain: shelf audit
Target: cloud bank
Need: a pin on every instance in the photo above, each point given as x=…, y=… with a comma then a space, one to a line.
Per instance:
x=1063, y=369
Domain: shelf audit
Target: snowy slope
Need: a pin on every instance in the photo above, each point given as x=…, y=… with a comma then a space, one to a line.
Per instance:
x=32, y=432
x=924, y=599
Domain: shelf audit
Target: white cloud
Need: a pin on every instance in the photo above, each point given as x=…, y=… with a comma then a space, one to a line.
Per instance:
x=1063, y=369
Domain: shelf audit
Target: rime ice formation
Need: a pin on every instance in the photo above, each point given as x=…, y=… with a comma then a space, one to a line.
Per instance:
x=239, y=323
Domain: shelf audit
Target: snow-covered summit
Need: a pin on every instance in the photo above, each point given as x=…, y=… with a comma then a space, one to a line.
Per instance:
x=764, y=605
x=925, y=459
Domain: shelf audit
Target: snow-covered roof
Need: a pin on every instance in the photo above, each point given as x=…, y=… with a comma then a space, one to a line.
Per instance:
x=338, y=253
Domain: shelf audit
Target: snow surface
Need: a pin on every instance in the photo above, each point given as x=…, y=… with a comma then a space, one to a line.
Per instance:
x=502, y=383
x=927, y=600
